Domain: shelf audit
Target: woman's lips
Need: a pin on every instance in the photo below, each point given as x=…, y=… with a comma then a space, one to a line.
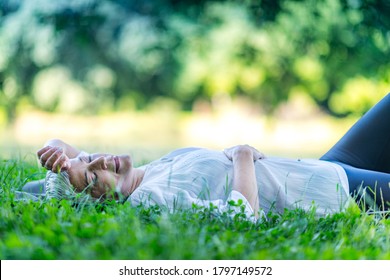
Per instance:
x=117, y=164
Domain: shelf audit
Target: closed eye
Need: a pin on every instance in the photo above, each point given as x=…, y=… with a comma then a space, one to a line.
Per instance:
x=95, y=179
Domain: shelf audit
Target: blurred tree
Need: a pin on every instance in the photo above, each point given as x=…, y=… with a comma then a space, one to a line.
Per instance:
x=89, y=56
x=17, y=68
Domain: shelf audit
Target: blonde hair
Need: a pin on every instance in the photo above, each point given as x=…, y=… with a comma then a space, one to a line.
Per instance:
x=58, y=186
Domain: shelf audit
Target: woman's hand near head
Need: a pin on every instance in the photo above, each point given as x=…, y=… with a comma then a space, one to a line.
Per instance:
x=70, y=151
x=234, y=152
x=55, y=155
x=53, y=158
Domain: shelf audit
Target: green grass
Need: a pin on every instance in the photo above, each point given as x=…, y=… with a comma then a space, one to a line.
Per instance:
x=59, y=230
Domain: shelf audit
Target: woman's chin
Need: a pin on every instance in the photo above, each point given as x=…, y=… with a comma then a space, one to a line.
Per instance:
x=126, y=161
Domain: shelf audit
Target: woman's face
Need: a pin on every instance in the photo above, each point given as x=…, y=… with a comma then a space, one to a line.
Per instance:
x=104, y=175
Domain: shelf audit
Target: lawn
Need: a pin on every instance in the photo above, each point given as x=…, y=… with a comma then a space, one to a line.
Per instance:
x=59, y=230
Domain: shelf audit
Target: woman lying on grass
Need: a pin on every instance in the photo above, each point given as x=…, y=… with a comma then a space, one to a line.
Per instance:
x=358, y=166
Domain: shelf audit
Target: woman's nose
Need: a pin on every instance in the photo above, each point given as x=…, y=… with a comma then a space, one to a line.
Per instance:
x=98, y=164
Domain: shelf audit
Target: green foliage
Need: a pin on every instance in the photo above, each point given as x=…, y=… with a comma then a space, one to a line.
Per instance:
x=59, y=230
x=123, y=54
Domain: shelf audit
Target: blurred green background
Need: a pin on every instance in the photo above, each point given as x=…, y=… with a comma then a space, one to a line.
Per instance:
x=286, y=75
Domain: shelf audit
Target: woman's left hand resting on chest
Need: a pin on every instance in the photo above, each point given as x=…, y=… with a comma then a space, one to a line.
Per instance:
x=244, y=176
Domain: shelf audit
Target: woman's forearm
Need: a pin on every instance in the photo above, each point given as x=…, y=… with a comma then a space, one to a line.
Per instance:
x=244, y=178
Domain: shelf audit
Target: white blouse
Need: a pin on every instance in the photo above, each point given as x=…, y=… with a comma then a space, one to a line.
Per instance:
x=202, y=176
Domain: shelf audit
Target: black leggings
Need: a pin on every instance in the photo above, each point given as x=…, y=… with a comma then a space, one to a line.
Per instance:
x=364, y=153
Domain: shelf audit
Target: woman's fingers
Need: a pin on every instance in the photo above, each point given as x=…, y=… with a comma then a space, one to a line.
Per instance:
x=49, y=157
x=49, y=164
x=62, y=163
x=230, y=152
x=44, y=154
x=257, y=155
x=42, y=151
